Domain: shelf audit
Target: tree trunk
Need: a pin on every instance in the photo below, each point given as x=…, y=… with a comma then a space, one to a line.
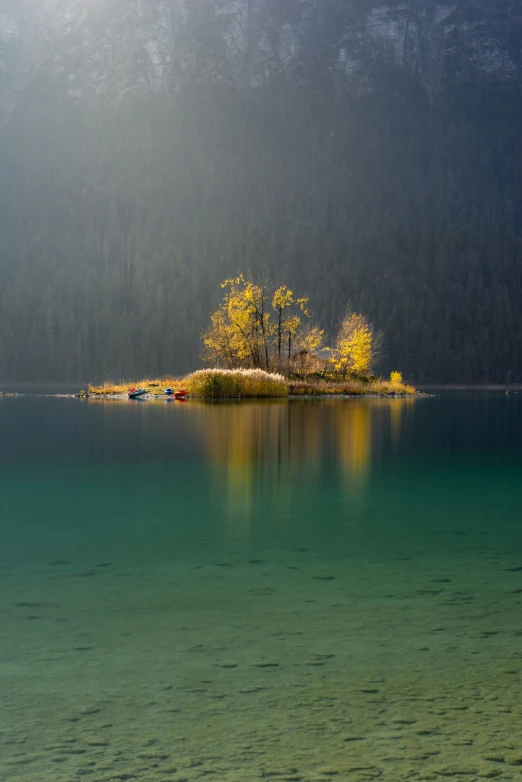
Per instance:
x=279, y=333
x=263, y=331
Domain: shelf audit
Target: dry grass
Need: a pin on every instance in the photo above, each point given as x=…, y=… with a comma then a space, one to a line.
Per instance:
x=236, y=384
x=350, y=388
x=205, y=383
x=221, y=384
x=387, y=387
x=153, y=386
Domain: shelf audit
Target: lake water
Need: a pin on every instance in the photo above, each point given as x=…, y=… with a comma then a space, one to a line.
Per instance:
x=306, y=591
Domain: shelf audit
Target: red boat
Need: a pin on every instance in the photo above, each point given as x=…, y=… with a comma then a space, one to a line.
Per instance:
x=180, y=394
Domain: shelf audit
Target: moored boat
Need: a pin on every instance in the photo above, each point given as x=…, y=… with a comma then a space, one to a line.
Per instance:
x=180, y=394
x=135, y=393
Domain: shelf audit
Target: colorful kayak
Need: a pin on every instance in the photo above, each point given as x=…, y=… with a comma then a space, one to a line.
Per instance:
x=169, y=391
x=180, y=394
x=135, y=393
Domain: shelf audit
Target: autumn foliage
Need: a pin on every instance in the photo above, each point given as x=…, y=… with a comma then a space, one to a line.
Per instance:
x=355, y=346
x=261, y=326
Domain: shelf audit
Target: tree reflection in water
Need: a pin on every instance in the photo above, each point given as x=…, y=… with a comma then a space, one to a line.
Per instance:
x=265, y=454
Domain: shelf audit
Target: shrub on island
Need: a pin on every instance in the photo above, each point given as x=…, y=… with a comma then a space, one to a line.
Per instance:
x=236, y=384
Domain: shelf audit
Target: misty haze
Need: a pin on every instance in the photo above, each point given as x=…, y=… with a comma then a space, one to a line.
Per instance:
x=260, y=390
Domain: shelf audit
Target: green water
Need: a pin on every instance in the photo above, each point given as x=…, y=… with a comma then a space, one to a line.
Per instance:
x=314, y=591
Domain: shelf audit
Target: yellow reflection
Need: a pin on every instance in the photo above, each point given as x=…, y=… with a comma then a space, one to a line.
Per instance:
x=266, y=456
x=305, y=436
x=397, y=407
x=354, y=432
x=246, y=448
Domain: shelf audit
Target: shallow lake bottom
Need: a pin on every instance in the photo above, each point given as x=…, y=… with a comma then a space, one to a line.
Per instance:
x=347, y=611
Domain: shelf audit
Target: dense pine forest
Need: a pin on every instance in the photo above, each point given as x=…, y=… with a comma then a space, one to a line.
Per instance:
x=118, y=222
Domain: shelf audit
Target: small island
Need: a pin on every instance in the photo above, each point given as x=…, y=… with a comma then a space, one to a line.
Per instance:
x=263, y=343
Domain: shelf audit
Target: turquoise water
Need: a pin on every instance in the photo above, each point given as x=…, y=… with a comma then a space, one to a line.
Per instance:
x=315, y=591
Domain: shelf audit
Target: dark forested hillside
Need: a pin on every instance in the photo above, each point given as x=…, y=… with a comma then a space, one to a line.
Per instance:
x=118, y=223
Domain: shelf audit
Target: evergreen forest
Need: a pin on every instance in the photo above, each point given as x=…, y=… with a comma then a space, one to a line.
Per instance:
x=118, y=221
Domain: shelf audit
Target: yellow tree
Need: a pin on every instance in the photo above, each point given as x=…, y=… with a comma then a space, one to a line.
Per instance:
x=308, y=340
x=289, y=320
x=243, y=331
x=240, y=328
x=354, y=351
x=218, y=340
x=311, y=338
x=283, y=298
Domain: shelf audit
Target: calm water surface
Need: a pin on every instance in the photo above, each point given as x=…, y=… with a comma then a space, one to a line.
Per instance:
x=325, y=590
